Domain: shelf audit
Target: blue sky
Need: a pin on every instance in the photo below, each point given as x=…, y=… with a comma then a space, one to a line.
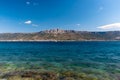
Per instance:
x=37, y=15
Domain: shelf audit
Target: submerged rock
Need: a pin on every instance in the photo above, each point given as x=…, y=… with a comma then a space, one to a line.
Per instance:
x=32, y=75
x=64, y=75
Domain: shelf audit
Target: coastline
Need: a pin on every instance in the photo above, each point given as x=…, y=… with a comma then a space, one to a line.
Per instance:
x=56, y=40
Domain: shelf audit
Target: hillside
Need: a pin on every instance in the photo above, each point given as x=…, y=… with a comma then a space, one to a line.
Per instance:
x=56, y=34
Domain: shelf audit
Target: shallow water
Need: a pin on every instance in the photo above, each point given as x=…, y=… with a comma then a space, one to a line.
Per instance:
x=96, y=57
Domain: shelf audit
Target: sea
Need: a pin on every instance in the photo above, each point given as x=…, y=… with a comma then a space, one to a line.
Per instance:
x=99, y=58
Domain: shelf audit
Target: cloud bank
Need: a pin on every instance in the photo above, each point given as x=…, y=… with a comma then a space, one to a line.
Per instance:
x=114, y=26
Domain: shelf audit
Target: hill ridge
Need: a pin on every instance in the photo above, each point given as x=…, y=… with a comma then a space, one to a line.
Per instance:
x=58, y=34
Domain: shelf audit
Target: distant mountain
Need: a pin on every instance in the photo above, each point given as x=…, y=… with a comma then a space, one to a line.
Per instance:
x=57, y=34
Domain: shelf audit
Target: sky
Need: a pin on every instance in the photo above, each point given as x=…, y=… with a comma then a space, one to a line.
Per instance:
x=37, y=15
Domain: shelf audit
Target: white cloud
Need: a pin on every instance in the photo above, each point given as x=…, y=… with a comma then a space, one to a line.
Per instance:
x=34, y=25
x=27, y=3
x=32, y=3
x=114, y=26
x=28, y=22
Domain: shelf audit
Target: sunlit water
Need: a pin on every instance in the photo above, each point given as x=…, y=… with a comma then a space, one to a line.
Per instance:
x=94, y=57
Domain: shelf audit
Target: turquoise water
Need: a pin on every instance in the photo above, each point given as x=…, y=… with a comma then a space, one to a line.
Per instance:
x=89, y=57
